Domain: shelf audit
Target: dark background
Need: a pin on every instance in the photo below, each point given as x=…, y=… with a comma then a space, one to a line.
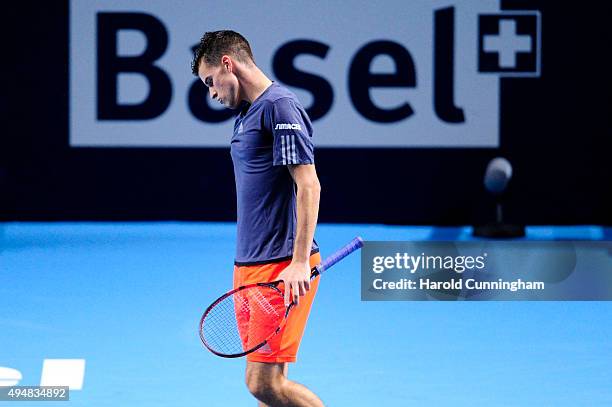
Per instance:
x=555, y=130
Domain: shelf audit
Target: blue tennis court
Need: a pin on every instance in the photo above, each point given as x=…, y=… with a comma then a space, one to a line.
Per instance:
x=127, y=298
x=147, y=148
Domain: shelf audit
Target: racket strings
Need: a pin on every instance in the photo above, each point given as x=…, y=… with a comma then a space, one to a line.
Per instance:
x=243, y=320
x=220, y=329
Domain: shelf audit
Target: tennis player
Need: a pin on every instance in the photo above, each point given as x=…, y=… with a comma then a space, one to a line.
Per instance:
x=277, y=193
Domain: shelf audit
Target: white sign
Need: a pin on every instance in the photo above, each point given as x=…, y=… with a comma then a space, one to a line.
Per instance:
x=400, y=75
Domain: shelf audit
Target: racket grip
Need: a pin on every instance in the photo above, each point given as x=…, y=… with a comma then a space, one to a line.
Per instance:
x=353, y=245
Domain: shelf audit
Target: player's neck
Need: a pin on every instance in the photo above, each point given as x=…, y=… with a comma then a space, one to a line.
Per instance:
x=254, y=82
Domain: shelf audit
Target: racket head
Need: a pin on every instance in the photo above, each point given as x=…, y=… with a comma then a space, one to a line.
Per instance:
x=243, y=320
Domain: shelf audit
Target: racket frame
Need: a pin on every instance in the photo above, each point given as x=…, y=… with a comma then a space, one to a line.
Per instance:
x=273, y=285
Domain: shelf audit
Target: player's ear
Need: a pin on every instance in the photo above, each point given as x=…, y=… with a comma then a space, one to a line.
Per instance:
x=226, y=63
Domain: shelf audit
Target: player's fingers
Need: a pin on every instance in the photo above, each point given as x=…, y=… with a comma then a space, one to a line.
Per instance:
x=307, y=284
x=302, y=288
x=287, y=292
x=295, y=290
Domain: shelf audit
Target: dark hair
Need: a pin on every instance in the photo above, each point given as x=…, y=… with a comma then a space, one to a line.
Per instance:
x=213, y=45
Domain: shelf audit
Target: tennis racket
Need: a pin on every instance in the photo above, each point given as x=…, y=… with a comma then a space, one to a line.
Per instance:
x=244, y=319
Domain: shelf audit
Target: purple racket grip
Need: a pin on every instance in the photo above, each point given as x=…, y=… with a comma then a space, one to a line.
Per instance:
x=353, y=245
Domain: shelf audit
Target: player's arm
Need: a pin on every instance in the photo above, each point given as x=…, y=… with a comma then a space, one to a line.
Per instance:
x=297, y=274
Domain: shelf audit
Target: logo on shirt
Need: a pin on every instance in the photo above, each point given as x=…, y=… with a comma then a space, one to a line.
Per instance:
x=288, y=151
x=288, y=126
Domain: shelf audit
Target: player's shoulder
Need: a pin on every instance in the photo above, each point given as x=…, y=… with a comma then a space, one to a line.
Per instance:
x=279, y=94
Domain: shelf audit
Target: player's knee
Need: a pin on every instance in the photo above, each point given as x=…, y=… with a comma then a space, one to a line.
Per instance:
x=263, y=387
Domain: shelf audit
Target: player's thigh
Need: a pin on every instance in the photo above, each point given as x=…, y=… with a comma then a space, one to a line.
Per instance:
x=265, y=374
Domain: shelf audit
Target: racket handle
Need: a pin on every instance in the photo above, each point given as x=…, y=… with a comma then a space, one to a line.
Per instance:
x=353, y=245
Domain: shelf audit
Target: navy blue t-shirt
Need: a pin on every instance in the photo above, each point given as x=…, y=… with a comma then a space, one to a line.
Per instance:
x=270, y=134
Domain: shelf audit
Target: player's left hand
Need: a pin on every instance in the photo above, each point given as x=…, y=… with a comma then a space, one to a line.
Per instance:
x=297, y=281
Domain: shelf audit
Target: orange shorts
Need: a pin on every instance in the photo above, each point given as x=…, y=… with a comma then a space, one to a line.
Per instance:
x=282, y=347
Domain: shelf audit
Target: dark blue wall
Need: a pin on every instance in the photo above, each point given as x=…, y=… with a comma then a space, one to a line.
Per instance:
x=556, y=130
